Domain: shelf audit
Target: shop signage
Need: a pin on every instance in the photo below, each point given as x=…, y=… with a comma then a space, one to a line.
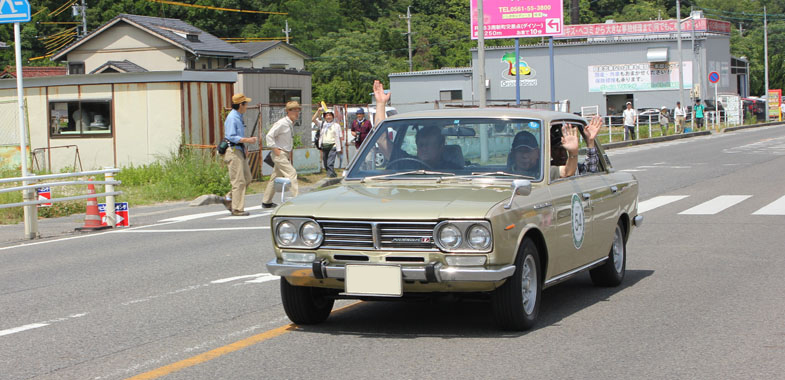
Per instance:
x=644, y=27
x=638, y=77
x=508, y=19
x=775, y=100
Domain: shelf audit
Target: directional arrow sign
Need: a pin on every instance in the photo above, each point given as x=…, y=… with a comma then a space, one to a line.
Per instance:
x=14, y=11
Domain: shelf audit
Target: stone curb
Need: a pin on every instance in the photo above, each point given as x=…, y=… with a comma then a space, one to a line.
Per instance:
x=740, y=127
x=654, y=139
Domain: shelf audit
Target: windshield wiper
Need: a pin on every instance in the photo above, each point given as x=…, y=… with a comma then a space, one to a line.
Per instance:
x=500, y=174
x=415, y=172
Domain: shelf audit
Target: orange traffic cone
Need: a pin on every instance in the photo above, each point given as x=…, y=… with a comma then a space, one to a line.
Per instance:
x=92, y=220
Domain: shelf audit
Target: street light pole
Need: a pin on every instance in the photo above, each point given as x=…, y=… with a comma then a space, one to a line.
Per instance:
x=681, y=55
x=481, y=51
x=766, y=59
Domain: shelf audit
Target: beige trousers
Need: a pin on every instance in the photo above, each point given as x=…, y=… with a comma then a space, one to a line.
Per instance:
x=283, y=168
x=239, y=176
x=679, y=124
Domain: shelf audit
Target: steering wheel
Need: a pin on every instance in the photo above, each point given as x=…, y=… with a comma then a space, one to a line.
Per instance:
x=417, y=160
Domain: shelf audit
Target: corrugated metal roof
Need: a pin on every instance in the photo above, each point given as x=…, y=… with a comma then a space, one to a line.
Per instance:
x=172, y=30
x=446, y=70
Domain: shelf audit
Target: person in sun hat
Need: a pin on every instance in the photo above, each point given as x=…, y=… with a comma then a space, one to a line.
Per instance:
x=239, y=172
x=664, y=119
x=330, y=138
x=280, y=139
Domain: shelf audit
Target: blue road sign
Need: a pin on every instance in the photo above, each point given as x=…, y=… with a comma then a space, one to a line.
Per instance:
x=14, y=11
x=714, y=77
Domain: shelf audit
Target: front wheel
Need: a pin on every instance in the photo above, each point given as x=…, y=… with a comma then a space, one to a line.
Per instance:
x=516, y=304
x=305, y=305
x=612, y=272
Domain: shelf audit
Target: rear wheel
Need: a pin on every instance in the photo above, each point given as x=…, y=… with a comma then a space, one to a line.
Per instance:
x=516, y=304
x=612, y=272
x=305, y=305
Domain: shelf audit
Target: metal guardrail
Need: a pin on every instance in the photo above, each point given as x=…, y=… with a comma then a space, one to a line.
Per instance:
x=33, y=182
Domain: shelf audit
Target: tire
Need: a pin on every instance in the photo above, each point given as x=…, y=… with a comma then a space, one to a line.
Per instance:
x=511, y=309
x=612, y=272
x=305, y=305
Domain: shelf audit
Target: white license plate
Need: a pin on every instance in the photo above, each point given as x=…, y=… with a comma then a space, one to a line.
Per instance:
x=374, y=280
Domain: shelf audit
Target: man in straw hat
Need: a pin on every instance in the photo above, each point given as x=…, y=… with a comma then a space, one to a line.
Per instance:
x=239, y=172
x=279, y=138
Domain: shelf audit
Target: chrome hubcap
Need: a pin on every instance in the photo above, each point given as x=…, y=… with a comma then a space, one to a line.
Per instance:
x=529, y=285
x=618, y=250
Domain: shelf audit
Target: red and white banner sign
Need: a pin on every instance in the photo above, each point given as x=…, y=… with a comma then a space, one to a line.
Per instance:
x=44, y=193
x=120, y=212
x=644, y=27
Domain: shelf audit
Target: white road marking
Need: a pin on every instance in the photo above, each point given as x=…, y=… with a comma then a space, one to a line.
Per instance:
x=662, y=200
x=202, y=229
x=204, y=215
x=632, y=170
x=230, y=279
x=39, y=324
x=774, y=208
x=267, y=277
x=22, y=328
x=246, y=217
x=715, y=205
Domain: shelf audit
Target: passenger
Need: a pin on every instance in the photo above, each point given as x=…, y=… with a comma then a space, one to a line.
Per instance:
x=564, y=150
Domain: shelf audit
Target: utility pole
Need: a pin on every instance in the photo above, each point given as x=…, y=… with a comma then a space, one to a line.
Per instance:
x=287, y=30
x=81, y=10
x=409, y=33
x=481, y=51
x=681, y=55
x=766, y=59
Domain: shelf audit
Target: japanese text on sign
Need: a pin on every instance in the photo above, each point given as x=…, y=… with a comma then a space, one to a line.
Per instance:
x=503, y=20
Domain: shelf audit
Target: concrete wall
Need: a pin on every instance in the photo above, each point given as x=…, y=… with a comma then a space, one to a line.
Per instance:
x=411, y=92
x=123, y=41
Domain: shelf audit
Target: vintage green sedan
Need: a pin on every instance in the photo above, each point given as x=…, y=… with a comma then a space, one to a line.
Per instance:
x=478, y=201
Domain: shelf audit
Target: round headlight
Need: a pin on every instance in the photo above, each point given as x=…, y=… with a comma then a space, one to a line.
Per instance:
x=479, y=237
x=286, y=233
x=450, y=236
x=311, y=234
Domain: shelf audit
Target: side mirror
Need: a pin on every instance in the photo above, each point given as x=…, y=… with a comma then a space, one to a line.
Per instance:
x=519, y=187
x=280, y=185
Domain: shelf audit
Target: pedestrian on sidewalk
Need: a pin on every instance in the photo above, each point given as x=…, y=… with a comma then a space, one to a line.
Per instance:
x=680, y=115
x=361, y=127
x=697, y=113
x=664, y=120
x=239, y=172
x=630, y=120
x=330, y=139
x=280, y=139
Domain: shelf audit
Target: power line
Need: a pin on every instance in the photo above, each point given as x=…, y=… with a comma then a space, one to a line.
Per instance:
x=215, y=8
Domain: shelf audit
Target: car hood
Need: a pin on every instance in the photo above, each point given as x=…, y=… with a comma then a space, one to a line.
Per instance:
x=393, y=200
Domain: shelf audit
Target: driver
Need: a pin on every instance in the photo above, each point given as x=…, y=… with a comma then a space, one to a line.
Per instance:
x=525, y=155
x=430, y=151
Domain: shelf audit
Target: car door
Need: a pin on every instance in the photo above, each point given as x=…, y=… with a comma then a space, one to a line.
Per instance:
x=569, y=244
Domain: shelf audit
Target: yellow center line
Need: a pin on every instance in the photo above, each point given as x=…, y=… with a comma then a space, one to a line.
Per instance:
x=220, y=351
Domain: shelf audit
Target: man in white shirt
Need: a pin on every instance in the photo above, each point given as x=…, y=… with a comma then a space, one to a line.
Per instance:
x=279, y=138
x=680, y=114
x=630, y=117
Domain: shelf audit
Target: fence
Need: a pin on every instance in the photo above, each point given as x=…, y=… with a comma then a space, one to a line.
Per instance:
x=30, y=183
x=9, y=134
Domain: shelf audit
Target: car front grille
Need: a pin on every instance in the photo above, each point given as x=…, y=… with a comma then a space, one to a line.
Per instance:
x=391, y=236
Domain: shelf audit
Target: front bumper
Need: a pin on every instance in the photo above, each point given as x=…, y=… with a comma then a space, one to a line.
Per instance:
x=433, y=272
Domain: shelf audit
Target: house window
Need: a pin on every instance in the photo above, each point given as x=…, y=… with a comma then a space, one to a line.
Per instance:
x=451, y=95
x=85, y=118
x=283, y=96
x=75, y=68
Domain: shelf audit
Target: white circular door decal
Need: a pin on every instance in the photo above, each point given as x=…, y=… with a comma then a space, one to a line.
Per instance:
x=578, y=221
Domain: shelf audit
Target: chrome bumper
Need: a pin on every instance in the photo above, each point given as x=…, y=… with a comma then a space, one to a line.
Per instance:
x=433, y=272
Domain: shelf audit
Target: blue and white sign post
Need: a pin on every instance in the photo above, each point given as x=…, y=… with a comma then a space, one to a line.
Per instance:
x=17, y=11
x=714, y=78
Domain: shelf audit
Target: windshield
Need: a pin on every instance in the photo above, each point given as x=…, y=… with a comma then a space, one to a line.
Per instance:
x=443, y=147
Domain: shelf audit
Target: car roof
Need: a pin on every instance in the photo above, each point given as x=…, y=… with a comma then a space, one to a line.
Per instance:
x=489, y=112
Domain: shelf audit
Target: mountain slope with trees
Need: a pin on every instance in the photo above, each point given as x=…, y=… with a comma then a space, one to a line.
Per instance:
x=352, y=42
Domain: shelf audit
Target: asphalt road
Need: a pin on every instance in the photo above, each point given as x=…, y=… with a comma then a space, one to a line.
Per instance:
x=184, y=294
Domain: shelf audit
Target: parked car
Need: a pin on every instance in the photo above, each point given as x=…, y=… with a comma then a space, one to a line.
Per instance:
x=454, y=219
x=754, y=107
x=710, y=105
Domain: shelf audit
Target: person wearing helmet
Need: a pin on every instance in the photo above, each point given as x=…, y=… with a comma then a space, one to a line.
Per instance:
x=330, y=138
